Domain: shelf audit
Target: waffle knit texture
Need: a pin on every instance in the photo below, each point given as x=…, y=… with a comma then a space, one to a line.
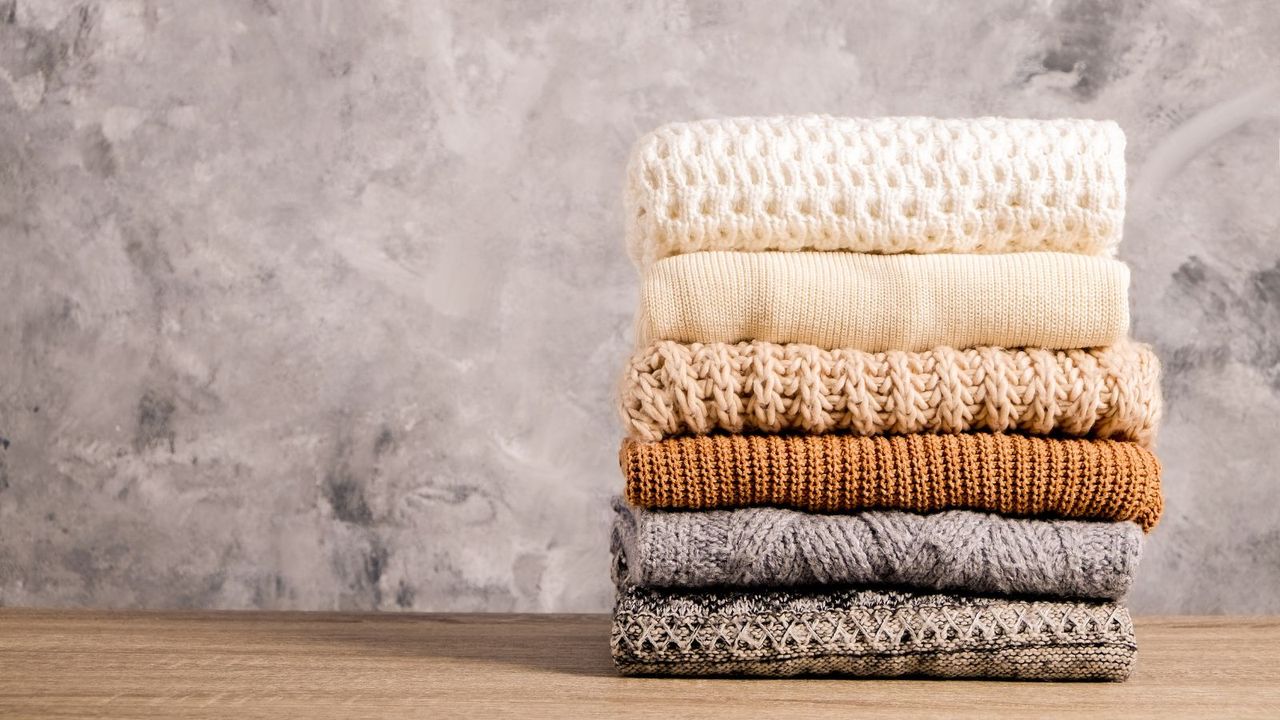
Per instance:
x=1007, y=474
x=888, y=185
x=671, y=388
x=960, y=550
x=886, y=302
x=868, y=633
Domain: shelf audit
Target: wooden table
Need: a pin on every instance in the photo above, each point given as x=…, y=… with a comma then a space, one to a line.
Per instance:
x=320, y=665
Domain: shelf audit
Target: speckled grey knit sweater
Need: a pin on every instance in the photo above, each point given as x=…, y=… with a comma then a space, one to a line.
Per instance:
x=868, y=633
x=960, y=550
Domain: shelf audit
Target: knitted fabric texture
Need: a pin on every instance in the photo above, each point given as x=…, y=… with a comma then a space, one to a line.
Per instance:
x=972, y=552
x=1007, y=474
x=671, y=388
x=889, y=185
x=886, y=302
x=868, y=633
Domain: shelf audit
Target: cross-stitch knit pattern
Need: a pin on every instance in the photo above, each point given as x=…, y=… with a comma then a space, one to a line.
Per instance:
x=671, y=388
x=1008, y=474
x=886, y=185
x=868, y=633
x=886, y=302
x=959, y=550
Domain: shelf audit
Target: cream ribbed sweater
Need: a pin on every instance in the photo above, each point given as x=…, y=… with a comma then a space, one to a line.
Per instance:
x=884, y=185
x=886, y=302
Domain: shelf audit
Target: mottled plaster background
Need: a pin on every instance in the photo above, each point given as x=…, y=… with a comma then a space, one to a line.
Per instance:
x=319, y=304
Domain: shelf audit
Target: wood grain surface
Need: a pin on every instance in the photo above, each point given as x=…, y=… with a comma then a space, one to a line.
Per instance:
x=319, y=665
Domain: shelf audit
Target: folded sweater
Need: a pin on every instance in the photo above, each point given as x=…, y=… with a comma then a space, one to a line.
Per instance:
x=1007, y=474
x=886, y=185
x=971, y=552
x=868, y=633
x=886, y=302
x=672, y=388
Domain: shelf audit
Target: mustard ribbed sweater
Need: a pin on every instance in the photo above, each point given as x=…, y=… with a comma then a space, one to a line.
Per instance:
x=1008, y=474
x=886, y=302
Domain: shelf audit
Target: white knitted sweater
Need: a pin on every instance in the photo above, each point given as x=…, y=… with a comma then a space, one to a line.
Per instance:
x=888, y=185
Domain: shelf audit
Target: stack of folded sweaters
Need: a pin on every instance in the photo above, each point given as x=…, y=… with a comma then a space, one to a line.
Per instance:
x=884, y=417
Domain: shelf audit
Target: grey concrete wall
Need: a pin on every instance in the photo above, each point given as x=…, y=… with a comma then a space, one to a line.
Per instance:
x=319, y=304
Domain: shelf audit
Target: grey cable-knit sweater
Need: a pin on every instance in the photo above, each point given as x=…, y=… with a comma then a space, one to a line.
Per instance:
x=972, y=552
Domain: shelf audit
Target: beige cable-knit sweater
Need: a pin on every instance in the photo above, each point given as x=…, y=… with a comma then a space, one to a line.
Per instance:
x=886, y=302
x=883, y=185
x=672, y=388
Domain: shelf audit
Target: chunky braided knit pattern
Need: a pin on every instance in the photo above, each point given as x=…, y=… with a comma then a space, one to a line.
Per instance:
x=868, y=633
x=886, y=302
x=887, y=185
x=671, y=388
x=961, y=550
x=1007, y=474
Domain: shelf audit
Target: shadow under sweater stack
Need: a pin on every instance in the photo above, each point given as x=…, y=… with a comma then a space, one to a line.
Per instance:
x=884, y=417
